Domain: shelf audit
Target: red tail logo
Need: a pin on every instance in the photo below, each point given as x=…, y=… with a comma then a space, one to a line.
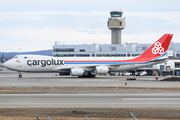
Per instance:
x=157, y=48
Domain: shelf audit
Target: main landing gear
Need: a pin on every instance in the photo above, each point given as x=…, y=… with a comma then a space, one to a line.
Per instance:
x=88, y=76
x=20, y=76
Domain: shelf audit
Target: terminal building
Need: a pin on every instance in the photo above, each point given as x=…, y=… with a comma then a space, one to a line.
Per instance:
x=116, y=23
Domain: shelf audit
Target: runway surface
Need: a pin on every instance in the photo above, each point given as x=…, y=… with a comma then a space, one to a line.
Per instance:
x=90, y=100
x=81, y=100
x=10, y=79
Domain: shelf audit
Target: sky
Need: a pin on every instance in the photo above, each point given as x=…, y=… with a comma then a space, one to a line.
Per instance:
x=31, y=25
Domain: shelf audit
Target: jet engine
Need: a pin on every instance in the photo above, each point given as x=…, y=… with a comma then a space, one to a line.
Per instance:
x=101, y=70
x=77, y=72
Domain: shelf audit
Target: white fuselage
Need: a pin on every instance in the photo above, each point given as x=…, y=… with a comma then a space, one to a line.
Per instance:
x=38, y=63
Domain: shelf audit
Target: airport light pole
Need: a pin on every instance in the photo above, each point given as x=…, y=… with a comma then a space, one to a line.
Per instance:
x=19, y=51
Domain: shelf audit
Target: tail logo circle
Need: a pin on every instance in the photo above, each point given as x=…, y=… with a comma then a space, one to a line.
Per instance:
x=157, y=48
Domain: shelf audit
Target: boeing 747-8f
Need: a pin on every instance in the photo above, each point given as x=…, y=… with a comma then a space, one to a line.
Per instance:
x=89, y=66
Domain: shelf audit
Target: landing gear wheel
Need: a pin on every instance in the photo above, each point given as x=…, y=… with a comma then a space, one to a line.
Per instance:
x=20, y=76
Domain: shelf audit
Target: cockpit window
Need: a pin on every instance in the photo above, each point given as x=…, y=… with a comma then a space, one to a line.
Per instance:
x=15, y=57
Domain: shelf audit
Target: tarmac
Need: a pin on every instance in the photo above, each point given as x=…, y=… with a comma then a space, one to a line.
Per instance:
x=9, y=79
x=103, y=97
x=90, y=101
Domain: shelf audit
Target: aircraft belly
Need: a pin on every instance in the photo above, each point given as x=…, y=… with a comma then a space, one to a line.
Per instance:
x=135, y=66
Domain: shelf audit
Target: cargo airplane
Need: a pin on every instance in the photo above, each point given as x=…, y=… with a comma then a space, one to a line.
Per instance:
x=89, y=66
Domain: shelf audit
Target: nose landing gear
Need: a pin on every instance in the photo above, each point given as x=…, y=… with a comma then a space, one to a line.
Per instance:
x=20, y=76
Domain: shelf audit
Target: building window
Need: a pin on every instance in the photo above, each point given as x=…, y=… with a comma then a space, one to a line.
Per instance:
x=177, y=64
x=82, y=50
x=150, y=66
x=116, y=15
x=102, y=55
x=71, y=55
x=177, y=55
x=63, y=55
x=134, y=55
x=82, y=55
x=144, y=47
x=161, y=67
x=64, y=50
x=110, y=55
x=120, y=23
x=113, y=48
x=122, y=55
x=56, y=50
x=137, y=54
x=115, y=55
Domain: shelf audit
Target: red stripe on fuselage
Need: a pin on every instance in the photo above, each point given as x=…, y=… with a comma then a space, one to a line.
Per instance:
x=131, y=60
x=138, y=59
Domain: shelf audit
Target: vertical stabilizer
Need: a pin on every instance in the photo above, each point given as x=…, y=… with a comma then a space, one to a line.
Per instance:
x=156, y=50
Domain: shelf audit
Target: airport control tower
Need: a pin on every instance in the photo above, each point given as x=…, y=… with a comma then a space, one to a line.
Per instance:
x=116, y=23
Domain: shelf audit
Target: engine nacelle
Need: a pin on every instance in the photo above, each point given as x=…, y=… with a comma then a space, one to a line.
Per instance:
x=101, y=70
x=77, y=72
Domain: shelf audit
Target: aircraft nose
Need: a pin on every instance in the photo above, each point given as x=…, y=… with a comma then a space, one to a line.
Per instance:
x=7, y=64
